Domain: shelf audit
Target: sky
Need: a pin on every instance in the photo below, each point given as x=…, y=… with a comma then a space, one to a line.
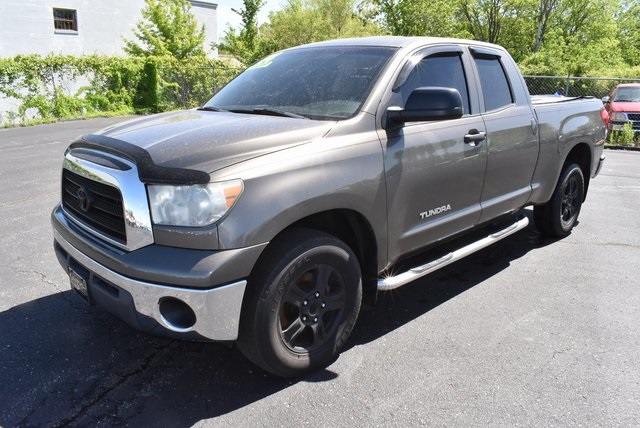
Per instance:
x=226, y=16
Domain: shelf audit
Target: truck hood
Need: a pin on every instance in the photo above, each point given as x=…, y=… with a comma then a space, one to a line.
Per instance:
x=208, y=141
x=618, y=106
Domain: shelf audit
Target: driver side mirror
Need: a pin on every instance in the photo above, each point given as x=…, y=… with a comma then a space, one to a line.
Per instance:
x=605, y=100
x=426, y=104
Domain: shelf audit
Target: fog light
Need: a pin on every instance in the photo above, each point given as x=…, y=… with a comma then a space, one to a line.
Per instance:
x=176, y=314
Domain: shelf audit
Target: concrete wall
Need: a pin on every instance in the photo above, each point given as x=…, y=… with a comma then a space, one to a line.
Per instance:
x=26, y=26
x=206, y=13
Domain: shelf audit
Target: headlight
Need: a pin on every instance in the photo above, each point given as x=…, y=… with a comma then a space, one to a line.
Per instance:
x=194, y=206
x=619, y=116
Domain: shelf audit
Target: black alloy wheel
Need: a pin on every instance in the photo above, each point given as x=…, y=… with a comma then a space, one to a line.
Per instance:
x=571, y=200
x=557, y=217
x=311, y=308
x=301, y=303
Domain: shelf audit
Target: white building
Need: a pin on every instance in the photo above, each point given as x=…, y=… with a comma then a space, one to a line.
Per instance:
x=78, y=27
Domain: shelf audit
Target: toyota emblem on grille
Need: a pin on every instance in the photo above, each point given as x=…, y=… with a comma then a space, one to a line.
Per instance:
x=84, y=199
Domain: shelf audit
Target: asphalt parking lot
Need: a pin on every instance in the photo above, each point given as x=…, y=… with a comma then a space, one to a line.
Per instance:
x=529, y=332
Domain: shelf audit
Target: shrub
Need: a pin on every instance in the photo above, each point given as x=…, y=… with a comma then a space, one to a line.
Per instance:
x=63, y=87
x=625, y=137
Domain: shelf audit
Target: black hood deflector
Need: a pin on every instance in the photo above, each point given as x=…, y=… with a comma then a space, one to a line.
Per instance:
x=148, y=171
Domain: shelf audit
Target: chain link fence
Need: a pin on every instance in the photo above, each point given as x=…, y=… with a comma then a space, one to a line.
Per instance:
x=187, y=87
x=71, y=92
x=62, y=92
x=574, y=86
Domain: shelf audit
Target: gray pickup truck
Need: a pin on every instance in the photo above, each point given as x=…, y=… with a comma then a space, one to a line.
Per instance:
x=317, y=178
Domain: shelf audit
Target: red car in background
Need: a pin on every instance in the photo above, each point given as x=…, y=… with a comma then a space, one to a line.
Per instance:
x=622, y=106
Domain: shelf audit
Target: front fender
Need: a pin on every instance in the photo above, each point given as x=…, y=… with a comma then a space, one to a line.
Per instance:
x=285, y=187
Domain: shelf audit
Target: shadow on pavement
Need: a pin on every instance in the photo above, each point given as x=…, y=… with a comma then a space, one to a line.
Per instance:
x=397, y=307
x=64, y=363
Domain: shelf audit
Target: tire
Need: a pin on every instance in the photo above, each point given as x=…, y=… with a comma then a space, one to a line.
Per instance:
x=558, y=216
x=301, y=304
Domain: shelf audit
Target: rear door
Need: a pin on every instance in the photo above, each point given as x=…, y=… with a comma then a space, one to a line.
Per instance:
x=433, y=173
x=511, y=126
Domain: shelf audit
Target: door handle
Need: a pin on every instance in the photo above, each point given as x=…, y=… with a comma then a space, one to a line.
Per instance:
x=475, y=137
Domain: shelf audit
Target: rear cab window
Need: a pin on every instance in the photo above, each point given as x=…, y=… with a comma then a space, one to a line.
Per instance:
x=496, y=89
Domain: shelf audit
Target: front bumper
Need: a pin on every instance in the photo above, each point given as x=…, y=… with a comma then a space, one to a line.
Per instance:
x=168, y=291
x=161, y=264
x=139, y=303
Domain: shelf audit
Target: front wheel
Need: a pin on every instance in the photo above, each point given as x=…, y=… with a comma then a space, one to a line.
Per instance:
x=301, y=304
x=558, y=216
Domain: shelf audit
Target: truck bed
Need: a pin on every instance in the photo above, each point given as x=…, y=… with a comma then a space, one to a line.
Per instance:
x=554, y=99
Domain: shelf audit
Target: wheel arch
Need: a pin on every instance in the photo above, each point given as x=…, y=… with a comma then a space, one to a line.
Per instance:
x=354, y=230
x=580, y=154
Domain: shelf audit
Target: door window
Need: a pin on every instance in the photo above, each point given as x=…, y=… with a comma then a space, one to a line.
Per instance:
x=444, y=70
x=496, y=91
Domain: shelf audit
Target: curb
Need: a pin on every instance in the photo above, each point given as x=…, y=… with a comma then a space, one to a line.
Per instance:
x=629, y=148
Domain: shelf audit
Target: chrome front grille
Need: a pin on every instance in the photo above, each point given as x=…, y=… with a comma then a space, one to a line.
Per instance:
x=96, y=204
x=102, y=194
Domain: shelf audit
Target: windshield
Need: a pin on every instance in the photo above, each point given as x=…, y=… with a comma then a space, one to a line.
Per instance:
x=627, y=94
x=326, y=83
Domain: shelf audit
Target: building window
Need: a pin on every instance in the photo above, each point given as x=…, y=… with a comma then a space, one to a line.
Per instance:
x=65, y=20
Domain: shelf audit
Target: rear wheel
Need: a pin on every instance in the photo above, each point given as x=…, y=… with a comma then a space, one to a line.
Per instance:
x=301, y=304
x=558, y=216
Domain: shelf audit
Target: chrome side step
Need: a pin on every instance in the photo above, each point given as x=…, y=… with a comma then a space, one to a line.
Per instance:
x=412, y=274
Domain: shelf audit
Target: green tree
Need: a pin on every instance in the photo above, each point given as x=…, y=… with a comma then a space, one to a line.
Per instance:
x=484, y=19
x=628, y=18
x=249, y=14
x=414, y=17
x=506, y=22
x=307, y=21
x=245, y=44
x=581, y=40
x=560, y=37
x=510, y=23
x=298, y=22
x=168, y=28
x=546, y=10
x=550, y=36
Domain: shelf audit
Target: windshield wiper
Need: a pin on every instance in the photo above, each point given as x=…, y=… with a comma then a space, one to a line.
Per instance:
x=268, y=112
x=210, y=108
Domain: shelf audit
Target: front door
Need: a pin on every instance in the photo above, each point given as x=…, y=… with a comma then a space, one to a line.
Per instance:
x=434, y=174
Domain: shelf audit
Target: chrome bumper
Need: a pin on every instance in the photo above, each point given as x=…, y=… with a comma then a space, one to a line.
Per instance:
x=217, y=310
